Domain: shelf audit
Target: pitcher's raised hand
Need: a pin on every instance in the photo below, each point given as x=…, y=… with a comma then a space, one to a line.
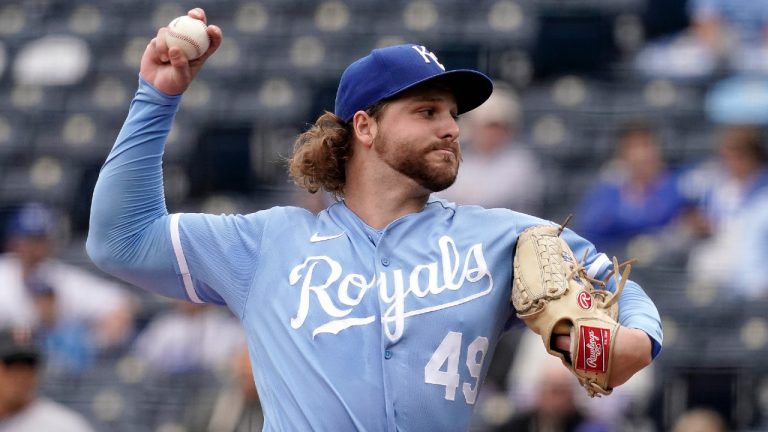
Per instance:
x=168, y=70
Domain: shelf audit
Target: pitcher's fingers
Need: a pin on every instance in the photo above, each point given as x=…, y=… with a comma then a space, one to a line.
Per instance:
x=216, y=37
x=198, y=13
x=152, y=51
x=161, y=46
x=179, y=62
x=563, y=343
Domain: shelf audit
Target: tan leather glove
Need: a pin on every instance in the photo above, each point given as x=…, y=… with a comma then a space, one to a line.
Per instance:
x=553, y=295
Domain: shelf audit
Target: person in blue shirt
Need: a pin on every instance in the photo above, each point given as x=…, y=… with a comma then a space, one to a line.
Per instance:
x=636, y=195
x=381, y=312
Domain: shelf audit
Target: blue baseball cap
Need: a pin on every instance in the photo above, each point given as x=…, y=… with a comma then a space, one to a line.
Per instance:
x=31, y=220
x=386, y=72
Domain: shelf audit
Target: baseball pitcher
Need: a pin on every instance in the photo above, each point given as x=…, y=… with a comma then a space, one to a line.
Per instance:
x=382, y=312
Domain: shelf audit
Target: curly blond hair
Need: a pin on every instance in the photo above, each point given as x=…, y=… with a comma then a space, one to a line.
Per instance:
x=320, y=155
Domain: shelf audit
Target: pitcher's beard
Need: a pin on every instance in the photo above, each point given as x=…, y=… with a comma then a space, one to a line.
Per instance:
x=431, y=175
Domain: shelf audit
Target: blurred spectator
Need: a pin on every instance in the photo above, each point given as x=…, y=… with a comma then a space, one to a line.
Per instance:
x=233, y=408
x=700, y=420
x=66, y=344
x=555, y=408
x=624, y=409
x=732, y=259
x=750, y=251
x=723, y=34
x=734, y=30
x=189, y=337
x=636, y=194
x=496, y=169
x=21, y=410
x=733, y=219
x=724, y=187
x=82, y=298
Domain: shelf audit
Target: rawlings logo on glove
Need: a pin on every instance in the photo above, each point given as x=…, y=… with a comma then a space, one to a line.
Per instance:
x=553, y=295
x=593, y=350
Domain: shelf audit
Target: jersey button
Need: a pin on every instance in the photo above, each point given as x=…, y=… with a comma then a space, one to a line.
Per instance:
x=387, y=354
x=385, y=261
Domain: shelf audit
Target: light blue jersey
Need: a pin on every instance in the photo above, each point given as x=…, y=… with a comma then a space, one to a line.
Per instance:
x=349, y=327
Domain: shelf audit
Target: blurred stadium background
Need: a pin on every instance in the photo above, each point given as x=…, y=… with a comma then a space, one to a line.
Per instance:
x=68, y=69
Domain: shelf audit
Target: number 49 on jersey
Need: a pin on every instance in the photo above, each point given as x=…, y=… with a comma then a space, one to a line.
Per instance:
x=443, y=367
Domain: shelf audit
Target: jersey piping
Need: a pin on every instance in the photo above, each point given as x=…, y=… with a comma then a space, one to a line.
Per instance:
x=181, y=260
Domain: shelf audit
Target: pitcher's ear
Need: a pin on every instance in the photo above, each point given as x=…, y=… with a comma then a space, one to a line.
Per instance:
x=365, y=128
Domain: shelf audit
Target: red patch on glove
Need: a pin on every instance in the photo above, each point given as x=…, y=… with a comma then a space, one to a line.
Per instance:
x=594, y=344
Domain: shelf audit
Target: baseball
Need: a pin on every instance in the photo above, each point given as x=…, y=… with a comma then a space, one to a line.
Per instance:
x=188, y=34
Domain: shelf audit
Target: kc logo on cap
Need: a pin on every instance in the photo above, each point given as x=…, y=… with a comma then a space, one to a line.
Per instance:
x=387, y=72
x=427, y=55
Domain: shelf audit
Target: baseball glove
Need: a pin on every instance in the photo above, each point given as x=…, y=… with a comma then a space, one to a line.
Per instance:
x=553, y=295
